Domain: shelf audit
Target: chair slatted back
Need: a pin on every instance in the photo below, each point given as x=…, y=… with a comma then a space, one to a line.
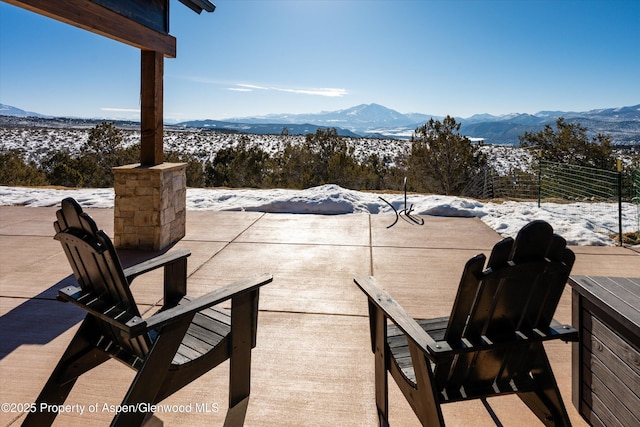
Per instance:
x=516, y=294
x=98, y=271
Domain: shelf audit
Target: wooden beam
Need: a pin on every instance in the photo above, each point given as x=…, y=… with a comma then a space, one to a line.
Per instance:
x=90, y=16
x=151, y=85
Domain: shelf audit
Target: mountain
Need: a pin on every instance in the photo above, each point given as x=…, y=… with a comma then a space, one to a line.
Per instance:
x=8, y=110
x=259, y=128
x=358, y=118
x=422, y=118
x=479, y=118
x=622, y=124
x=362, y=120
x=374, y=120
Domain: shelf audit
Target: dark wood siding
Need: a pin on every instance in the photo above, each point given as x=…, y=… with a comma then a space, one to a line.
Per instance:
x=607, y=373
x=151, y=13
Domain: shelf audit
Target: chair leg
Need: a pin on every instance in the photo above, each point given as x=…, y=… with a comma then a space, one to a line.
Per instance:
x=382, y=394
x=379, y=347
x=239, y=376
x=53, y=394
x=546, y=402
x=425, y=402
x=146, y=384
x=244, y=313
x=382, y=390
x=79, y=357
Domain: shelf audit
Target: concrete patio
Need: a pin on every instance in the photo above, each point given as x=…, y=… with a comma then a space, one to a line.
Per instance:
x=313, y=364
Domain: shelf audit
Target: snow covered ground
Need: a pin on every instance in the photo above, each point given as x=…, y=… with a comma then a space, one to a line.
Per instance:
x=36, y=143
x=572, y=221
x=506, y=218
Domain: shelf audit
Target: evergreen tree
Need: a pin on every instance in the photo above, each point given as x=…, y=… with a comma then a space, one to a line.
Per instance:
x=195, y=169
x=14, y=170
x=333, y=161
x=103, y=151
x=240, y=166
x=292, y=167
x=569, y=143
x=441, y=159
x=62, y=169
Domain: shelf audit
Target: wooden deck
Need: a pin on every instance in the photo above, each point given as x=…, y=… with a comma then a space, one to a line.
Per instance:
x=312, y=364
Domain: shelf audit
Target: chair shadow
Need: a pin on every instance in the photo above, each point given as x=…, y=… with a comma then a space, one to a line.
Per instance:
x=41, y=319
x=38, y=320
x=235, y=416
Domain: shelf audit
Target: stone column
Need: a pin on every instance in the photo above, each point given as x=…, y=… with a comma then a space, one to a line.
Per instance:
x=150, y=205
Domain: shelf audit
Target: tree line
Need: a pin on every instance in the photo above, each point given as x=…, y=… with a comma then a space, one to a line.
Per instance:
x=440, y=161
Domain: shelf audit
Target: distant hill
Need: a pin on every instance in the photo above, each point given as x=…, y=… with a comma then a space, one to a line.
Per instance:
x=374, y=120
x=8, y=110
x=360, y=117
x=363, y=120
x=259, y=128
x=621, y=124
x=378, y=121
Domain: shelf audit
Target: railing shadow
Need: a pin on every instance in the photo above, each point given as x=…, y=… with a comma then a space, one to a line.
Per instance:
x=406, y=211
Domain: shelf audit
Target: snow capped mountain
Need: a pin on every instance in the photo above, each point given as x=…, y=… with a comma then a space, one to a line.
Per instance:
x=478, y=118
x=552, y=113
x=375, y=113
x=375, y=120
x=360, y=118
x=622, y=123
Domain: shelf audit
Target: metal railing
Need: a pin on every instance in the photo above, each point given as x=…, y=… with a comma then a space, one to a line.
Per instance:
x=601, y=192
x=634, y=192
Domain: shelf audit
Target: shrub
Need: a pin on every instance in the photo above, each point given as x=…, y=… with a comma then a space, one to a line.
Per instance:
x=14, y=170
x=569, y=143
x=240, y=166
x=442, y=160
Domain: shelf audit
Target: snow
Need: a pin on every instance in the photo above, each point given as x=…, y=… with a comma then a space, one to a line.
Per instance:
x=577, y=224
x=571, y=221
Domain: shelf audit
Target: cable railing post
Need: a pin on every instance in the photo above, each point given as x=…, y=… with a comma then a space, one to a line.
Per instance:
x=620, y=200
x=539, y=180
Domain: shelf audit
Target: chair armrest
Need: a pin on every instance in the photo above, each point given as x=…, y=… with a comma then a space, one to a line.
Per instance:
x=564, y=332
x=395, y=313
x=208, y=300
x=154, y=263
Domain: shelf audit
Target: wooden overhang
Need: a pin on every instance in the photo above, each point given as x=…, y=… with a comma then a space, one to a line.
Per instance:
x=199, y=5
x=143, y=24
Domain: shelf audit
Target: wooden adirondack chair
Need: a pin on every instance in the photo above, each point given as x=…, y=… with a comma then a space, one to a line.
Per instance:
x=491, y=344
x=185, y=339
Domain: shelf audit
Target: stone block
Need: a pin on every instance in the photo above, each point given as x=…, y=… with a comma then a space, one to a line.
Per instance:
x=150, y=205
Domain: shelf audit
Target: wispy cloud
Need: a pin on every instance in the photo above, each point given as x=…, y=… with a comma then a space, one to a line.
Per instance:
x=250, y=87
x=240, y=87
x=247, y=87
x=325, y=91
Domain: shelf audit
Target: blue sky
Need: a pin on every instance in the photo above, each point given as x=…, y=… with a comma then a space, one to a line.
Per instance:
x=255, y=57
